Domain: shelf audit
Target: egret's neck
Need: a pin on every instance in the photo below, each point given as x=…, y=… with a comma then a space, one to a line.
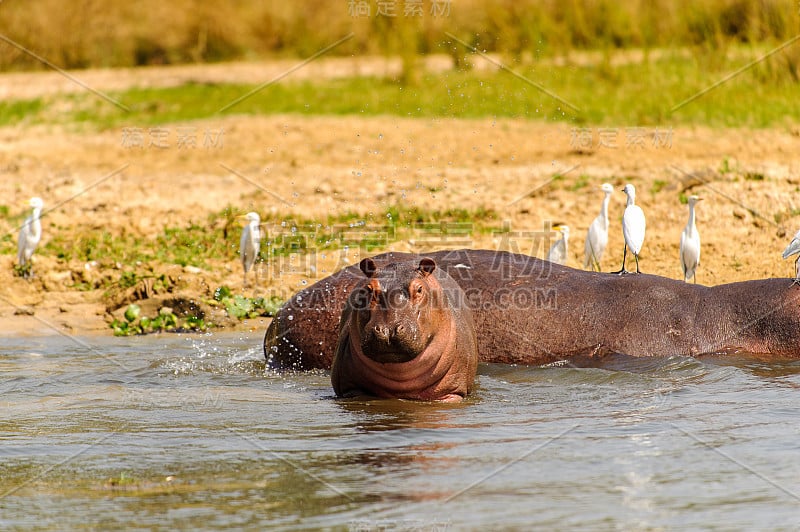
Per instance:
x=604, y=207
x=35, y=224
x=631, y=199
x=691, y=217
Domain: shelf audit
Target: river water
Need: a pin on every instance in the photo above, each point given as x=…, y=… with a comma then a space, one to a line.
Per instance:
x=192, y=431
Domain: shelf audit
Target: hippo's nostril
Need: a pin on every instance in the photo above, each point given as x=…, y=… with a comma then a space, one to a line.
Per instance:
x=381, y=332
x=400, y=328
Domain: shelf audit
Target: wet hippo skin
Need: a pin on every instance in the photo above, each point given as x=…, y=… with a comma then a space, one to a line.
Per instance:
x=530, y=311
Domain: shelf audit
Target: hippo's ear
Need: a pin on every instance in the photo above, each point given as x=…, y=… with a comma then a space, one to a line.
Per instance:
x=426, y=266
x=368, y=266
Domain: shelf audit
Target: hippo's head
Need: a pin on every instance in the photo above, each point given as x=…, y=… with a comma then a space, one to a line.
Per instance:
x=405, y=333
x=396, y=311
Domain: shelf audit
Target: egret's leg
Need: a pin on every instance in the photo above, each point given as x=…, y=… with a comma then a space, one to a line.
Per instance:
x=595, y=263
x=637, y=262
x=595, y=259
x=624, y=255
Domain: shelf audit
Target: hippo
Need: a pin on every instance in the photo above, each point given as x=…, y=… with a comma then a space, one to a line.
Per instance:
x=531, y=311
x=406, y=333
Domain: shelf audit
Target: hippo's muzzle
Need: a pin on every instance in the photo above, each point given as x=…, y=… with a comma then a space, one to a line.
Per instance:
x=386, y=343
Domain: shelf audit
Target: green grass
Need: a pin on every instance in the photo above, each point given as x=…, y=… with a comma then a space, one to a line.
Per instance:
x=581, y=182
x=639, y=94
x=217, y=239
x=17, y=111
x=658, y=186
x=373, y=231
x=754, y=176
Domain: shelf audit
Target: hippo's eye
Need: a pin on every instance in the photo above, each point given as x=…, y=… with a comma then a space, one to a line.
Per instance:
x=419, y=290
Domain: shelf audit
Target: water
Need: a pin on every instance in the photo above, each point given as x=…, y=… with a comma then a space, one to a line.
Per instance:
x=173, y=431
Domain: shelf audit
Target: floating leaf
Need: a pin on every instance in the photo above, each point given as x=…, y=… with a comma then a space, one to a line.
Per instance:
x=120, y=328
x=238, y=306
x=223, y=292
x=132, y=312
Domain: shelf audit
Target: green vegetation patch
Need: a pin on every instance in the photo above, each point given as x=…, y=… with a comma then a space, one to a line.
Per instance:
x=166, y=320
x=241, y=307
x=20, y=111
x=374, y=230
x=218, y=237
x=660, y=90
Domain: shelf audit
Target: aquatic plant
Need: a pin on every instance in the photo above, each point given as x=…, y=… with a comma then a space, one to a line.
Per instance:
x=166, y=320
x=241, y=307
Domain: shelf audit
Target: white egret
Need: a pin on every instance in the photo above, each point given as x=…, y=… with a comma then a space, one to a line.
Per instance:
x=250, y=244
x=558, y=251
x=597, y=236
x=690, y=244
x=794, y=249
x=29, y=236
x=633, y=227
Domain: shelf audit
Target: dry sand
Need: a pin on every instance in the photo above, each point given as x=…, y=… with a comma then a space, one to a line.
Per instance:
x=311, y=167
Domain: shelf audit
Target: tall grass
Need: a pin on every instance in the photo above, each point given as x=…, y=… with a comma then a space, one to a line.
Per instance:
x=98, y=33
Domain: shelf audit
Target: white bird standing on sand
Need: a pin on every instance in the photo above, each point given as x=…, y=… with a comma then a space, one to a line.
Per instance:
x=558, y=251
x=690, y=244
x=29, y=236
x=633, y=227
x=794, y=249
x=250, y=244
x=597, y=236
